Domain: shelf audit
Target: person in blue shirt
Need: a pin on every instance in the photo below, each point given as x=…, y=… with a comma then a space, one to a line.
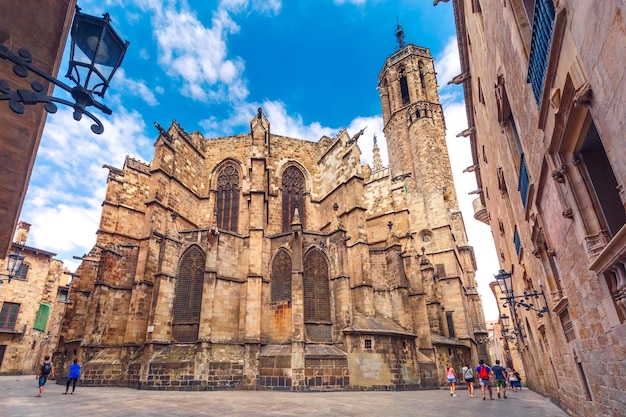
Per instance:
x=73, y=376
x=500, y=376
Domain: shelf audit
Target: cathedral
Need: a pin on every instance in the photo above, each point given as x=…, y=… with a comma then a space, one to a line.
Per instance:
x=260, y=261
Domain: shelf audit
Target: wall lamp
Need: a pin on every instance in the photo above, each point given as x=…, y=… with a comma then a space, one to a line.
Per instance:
x=14, y=264
x=504, y=331
x=525, y=300
x=96, y=53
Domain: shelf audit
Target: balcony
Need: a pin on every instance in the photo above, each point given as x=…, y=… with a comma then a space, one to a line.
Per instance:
x=480, y=211
x=611, y=264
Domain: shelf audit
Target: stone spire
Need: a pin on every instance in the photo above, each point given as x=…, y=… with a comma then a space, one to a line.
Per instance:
x=378, y=163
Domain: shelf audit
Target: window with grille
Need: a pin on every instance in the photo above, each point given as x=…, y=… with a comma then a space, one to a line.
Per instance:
x=8, y=315
x=188, y=296
x=293, y=196
x=228, y=198
x=316, y=287
x=280, y=278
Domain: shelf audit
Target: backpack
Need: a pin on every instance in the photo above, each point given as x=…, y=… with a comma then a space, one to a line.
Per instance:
x=483, y=373
x=46, y=368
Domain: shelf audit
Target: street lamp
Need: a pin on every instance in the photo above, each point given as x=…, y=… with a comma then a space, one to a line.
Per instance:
x=13, y=266
x=503, y=279
x=96, y=53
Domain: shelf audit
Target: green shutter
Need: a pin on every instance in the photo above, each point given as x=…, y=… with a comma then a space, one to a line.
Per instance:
x=41, y=321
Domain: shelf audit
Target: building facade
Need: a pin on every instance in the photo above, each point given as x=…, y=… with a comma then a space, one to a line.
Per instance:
x=21, y=133
x=31, y=307
x=544, y=86
x=268, y=262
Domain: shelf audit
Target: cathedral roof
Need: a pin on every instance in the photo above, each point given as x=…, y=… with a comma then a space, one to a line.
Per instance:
x=438, y=339
x=378, y=324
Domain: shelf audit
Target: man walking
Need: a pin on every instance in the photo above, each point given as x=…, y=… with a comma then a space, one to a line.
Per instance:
x=484, y=374
x=501, y=376
x=43, y=373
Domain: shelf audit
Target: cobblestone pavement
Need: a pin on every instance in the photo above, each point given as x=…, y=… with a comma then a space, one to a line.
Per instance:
x=18, y=399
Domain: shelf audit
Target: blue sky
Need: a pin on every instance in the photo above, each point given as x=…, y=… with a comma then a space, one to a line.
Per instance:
x=311, y=64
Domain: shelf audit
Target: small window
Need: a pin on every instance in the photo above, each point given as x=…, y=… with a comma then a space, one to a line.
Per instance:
x=63, y=295
x=516, y=241
x=22, y=272
x=450, y=322
x=368, y=343
x=8, y=315
x=568, y=327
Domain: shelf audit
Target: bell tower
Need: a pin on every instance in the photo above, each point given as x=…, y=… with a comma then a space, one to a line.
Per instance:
x=413, y=122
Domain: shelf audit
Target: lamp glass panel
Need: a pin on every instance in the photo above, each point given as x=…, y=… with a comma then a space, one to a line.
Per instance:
x=15, y=262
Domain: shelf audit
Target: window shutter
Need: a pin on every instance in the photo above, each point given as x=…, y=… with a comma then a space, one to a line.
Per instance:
x=41, y=320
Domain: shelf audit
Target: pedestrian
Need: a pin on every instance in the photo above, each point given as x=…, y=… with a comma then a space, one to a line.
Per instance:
x=500, y=376
x=512, y=379
x=484, y=374
x=451, y=375
x=518, y=384
x=468, y=375
x=73, y=376
x=43, y=373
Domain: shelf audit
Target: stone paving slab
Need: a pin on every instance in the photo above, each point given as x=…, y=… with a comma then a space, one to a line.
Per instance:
x=18, y=399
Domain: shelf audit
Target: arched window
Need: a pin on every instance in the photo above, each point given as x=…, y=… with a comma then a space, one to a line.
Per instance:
x=293, y=196
x=316, y=287
x=404, y=87
x=188, y=296
x=280, y=278
x=228, y=198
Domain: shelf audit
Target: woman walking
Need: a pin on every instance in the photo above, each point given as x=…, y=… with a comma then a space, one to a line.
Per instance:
x=468, y=375
x=451, y=375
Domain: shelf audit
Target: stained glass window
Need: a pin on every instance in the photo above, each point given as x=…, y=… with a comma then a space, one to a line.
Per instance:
x=316, y=287
x=228, y=198
x=188, y=296
x=293, y=196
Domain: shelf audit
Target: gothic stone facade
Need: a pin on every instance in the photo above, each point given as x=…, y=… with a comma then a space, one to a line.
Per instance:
x=260, y=261
x=546, y=105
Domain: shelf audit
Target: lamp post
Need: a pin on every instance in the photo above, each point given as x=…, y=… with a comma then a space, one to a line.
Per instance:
x=504, y=280
x=15, y=261
x=96, y=53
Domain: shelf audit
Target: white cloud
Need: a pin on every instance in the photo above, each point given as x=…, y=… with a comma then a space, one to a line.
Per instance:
x=355, y=2
x=198, y=55
x=68, y=185
x=134, y=87
x=448, y=64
